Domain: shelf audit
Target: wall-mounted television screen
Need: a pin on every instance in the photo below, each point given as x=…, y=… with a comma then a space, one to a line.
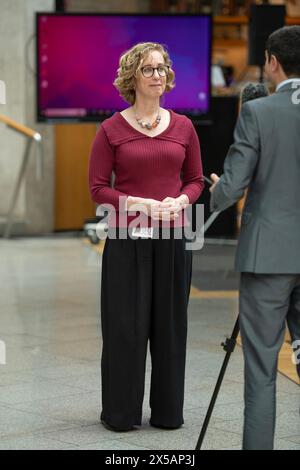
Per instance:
x=78, y=57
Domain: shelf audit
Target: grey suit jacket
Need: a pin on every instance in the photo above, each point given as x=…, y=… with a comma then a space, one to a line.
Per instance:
x=265, y=158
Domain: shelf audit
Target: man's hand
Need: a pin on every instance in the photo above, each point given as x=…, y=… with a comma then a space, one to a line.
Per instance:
x=215, y=179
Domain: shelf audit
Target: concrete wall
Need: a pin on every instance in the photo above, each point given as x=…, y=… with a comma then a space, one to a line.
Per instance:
x=35, y=202
x=39, y=196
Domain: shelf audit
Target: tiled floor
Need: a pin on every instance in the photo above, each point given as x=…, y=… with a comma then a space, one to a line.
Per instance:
x=50, y=386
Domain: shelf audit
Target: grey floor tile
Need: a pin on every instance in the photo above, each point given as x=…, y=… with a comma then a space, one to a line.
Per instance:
x=32, y=358
x=284, y=444
x=89, y=382
x=17, y=377
x=288, y=423
x=233, y=425
x=86, y=435
x=185, y=439
x=72, y=333
x=33, y=443
x=230, y=411
x=36, y=390
x=15, y=422
x=216, y=439
x=70, y=369
x=84, y=349
x=21, y=340
x=174, y=439
x=80, y=408
x=112, y=444
x=293, y=438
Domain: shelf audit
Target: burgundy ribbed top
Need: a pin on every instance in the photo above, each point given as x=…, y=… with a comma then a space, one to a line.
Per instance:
x=168, y=164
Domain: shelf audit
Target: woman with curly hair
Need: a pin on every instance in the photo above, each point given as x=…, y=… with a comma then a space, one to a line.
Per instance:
x=155, y=155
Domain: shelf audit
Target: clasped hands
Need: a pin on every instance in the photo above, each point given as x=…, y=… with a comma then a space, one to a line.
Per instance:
x=168, y=209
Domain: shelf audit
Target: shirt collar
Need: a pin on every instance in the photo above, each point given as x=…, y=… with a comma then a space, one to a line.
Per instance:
x=285, y=82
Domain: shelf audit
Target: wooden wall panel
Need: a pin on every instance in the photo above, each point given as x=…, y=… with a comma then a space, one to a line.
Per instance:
x=73, y=203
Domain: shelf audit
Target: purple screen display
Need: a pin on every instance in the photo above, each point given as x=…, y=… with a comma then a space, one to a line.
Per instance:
x=78, y=57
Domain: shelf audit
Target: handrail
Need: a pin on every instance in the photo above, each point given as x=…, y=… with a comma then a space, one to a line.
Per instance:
x=31, y=136
x=21, y=128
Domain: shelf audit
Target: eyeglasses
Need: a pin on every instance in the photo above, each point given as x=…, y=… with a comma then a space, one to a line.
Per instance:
x=148, y=71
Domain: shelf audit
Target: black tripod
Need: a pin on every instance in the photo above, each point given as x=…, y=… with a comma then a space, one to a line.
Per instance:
x=228, y=346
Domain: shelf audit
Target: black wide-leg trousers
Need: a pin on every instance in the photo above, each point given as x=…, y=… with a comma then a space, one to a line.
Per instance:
x=145, y=290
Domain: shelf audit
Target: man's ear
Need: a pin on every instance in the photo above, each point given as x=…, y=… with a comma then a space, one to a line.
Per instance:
x=274, y=63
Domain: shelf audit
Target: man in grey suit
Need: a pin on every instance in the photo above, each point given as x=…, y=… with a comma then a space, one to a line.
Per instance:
x=265, y=158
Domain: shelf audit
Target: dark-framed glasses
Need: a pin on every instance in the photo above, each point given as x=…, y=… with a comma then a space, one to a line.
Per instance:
x=148, y=71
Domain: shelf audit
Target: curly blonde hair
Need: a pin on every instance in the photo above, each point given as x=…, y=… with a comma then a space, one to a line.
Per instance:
x=130, y=63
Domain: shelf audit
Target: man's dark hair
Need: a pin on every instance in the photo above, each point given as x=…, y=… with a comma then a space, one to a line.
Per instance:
x=284, y=44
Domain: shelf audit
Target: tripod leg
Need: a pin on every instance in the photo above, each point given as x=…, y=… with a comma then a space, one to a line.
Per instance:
x=229, y=348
